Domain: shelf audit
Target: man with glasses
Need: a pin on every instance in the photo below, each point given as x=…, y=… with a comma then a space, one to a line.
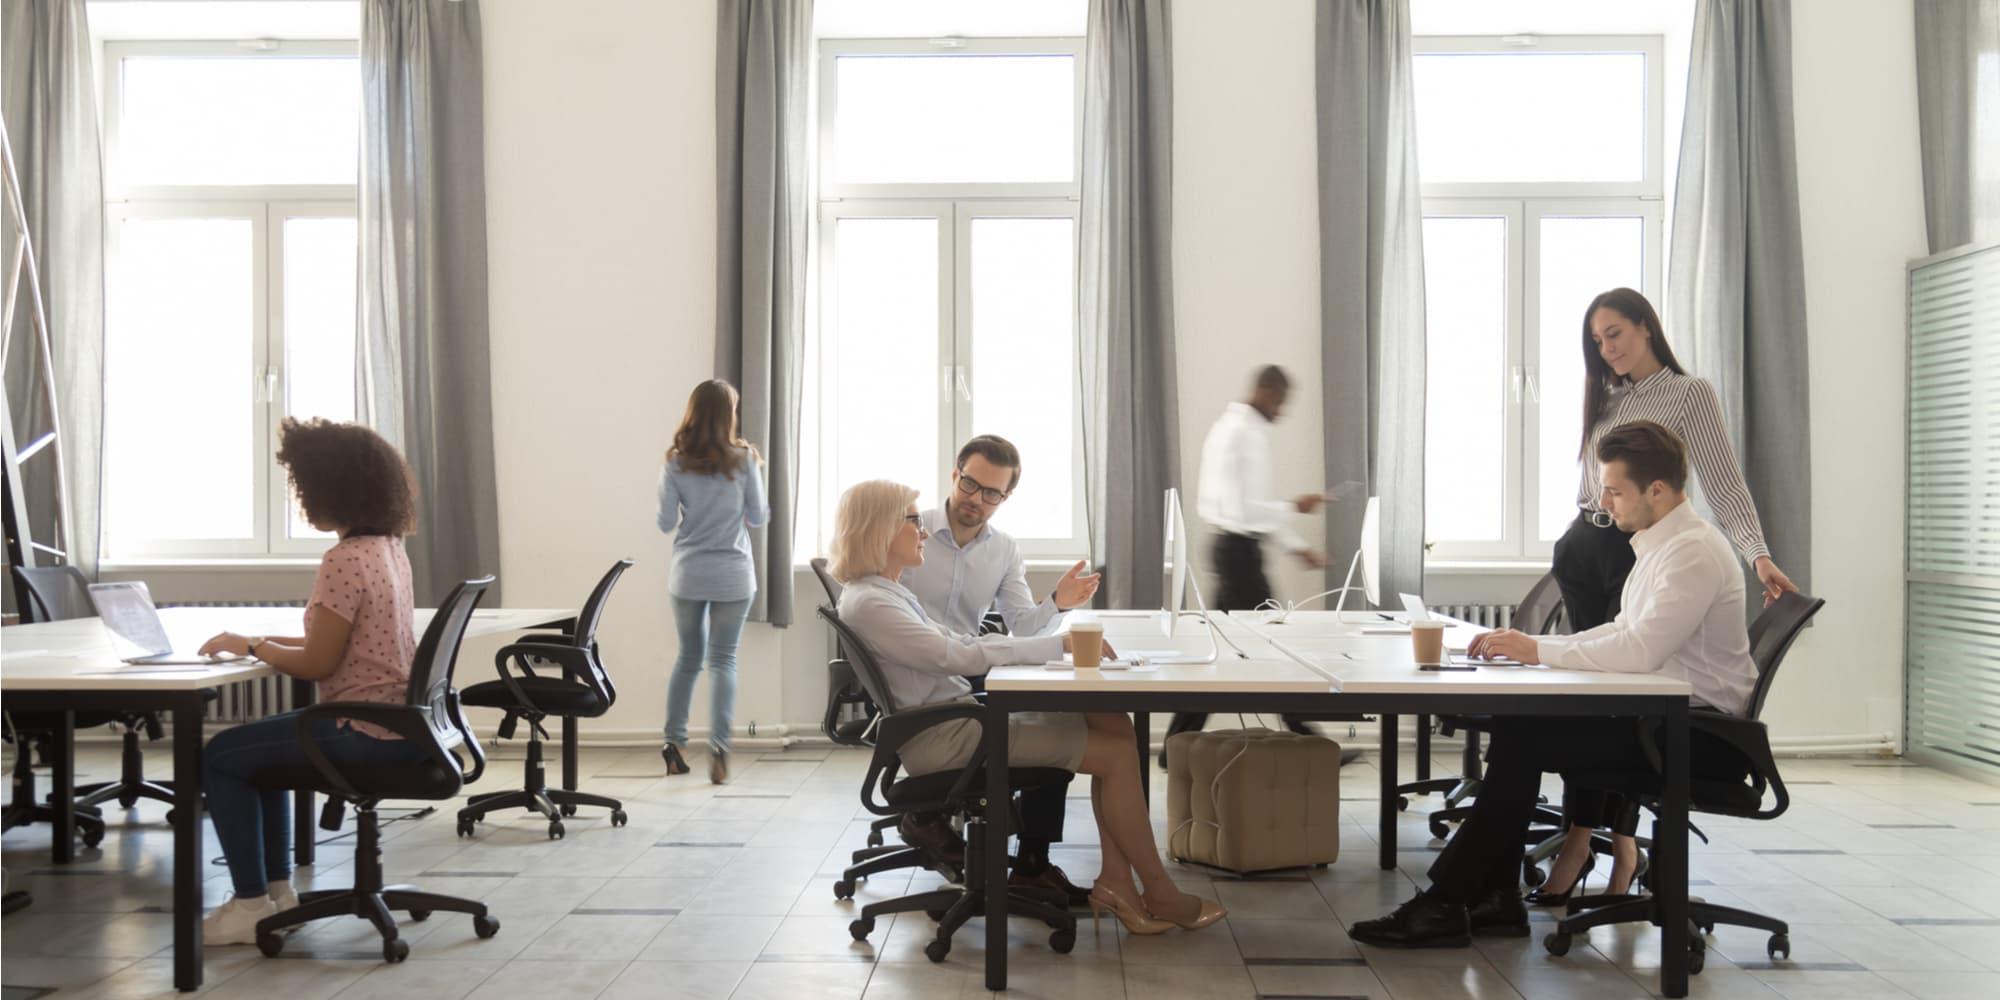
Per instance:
x=970, y=569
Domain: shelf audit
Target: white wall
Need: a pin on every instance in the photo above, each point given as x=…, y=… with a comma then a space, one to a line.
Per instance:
x=600, y=186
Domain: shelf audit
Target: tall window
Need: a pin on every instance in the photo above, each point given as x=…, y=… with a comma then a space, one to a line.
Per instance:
x=230, y=285
x=948, y=181
x=1542, y=172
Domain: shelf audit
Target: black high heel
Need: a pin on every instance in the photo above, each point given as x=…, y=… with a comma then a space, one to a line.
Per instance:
x=1543, y=897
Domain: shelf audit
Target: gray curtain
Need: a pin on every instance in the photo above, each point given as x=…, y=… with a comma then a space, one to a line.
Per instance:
x=1958, y=88
x=425, y=378
x=49, y=99
x=1736, y=280
x=763, y=208
x=1371, y=281
x=1125, y=369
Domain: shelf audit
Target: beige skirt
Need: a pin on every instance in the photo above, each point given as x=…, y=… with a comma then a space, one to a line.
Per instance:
x=1034, y=739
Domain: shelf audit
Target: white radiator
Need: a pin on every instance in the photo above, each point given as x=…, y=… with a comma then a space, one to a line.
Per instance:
x=247, y=701
x=1489, y=615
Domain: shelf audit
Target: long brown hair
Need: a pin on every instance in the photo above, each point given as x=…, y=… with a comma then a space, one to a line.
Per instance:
x=1598, y=378
x=708, y=440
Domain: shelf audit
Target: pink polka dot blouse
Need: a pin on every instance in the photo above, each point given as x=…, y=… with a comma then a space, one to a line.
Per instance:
x=366, y=580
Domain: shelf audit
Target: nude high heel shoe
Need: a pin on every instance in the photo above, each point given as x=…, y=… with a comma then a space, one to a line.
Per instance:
x=1133, y=916
x=1207, y=913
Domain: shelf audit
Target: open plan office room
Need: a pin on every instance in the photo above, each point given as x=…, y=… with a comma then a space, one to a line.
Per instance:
x=724, y=498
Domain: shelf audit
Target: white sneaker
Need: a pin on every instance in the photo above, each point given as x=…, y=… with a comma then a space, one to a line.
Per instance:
x=235, y=922
x=282, y=895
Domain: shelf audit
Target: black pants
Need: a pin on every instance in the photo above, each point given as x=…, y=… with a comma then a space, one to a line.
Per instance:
x=1485, y=853
x=1042, y=807
x=1239, y=561
x=1590, y=567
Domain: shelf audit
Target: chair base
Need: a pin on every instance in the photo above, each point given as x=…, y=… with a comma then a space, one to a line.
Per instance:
x=1603, y=911
x=370, y=900
x=25, y=810
x=951, y=908
x=534, y=795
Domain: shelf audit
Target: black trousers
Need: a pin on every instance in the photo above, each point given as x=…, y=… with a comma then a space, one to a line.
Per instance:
x=1239, y=561
x=1590, y=567
x=1485, y=853
x=1042, y=807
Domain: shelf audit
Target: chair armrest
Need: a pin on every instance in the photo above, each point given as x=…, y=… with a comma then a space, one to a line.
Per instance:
x=574, y=660
x=1749, y=737
x=406, y=721
x=893, y=731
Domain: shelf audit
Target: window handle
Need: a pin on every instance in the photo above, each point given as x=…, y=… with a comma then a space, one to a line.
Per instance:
x=964, y=386
x=1534, y=390
x=1517, y=385
x=270, y=385
x=944, y=383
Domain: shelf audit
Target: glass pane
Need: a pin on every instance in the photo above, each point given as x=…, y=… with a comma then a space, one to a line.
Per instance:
x=272, y=120
x=883, y=391
x=179, y=377
x=936, y=119
x=1531, y=116
x=1580, y=257
x=1465, y=303
x=1024, y=363
x=319, y=328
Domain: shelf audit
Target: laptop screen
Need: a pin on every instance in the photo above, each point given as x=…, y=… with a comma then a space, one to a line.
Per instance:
x=127, y=610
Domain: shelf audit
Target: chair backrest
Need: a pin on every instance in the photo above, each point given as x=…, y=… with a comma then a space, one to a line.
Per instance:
x=826, y=580
x=593, y=607
x=866, y=668
x=55, y=593
x=1771, y=635
x=437, y=655
x=1540, y=613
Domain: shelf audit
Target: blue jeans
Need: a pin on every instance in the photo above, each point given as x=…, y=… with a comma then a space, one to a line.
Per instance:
x=712, y=628
x=254, y=825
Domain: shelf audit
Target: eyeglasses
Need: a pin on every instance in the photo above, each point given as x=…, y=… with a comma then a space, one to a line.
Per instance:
x=916, y=519
x=967, y=486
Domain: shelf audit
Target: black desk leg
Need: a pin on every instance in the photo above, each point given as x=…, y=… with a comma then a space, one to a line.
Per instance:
x=1670, y=854
x=1385, y=761
x=304, y=822
x=188, y=869
x=569, y=752
x=1423, y=749
x=998, y=799
x=1142, y=727
x=62, y=775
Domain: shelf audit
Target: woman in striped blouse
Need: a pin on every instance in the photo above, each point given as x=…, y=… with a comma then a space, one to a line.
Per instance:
x=1629, y=373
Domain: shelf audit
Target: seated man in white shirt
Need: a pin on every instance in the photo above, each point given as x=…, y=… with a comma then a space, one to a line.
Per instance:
x=971, y=567
x=1682, y=618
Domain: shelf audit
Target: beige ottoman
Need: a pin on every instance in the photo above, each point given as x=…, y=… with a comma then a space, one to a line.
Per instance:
x=1253, y=799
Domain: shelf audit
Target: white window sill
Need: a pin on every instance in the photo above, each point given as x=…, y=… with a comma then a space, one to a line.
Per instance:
x=190, y=564
x=1485, y=567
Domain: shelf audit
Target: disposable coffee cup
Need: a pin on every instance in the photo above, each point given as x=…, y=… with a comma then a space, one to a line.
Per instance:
x=1428, y=638
x=1086, y=644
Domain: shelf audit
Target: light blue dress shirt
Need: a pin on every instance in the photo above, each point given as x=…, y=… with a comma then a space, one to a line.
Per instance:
x=710, y=518
x=958, y=585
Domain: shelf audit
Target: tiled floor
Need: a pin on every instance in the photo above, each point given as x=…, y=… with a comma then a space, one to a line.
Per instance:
x=1890, y=875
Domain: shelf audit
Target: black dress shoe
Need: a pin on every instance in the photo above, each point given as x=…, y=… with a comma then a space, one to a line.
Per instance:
x=1499, y=913
x=1423, y=922
x=1052, y=879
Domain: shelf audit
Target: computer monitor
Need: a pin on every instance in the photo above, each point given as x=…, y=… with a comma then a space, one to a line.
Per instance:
x=1176, y=556
x=1367, y=562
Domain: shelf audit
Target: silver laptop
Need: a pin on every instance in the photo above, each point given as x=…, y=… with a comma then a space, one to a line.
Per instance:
x=127, y=610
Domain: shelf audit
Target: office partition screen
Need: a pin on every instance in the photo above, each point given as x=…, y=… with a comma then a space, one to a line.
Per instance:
x=1952, y=581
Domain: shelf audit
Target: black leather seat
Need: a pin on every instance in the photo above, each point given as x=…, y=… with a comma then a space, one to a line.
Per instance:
x=583, y=690
x=430, y=717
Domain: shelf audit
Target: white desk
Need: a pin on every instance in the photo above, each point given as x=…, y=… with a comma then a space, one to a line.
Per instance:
x=70, y=665
x=1323, y=665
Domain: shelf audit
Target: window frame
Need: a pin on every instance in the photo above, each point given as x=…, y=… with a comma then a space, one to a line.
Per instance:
x=1526, y=205
x=268, y=206
x=953, y=206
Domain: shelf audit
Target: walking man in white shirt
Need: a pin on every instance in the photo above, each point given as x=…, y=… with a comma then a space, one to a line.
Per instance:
x=1682, y=617
x=1235, y=499
x=969, y=568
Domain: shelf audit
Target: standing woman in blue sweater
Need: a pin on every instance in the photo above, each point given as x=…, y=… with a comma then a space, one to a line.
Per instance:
x=711, y=494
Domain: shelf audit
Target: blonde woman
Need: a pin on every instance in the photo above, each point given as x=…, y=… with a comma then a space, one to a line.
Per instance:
x=879, y=535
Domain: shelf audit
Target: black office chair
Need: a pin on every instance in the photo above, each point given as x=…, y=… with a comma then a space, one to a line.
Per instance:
x=1771, y=636
x=956, y=793
x=844, y=692
x=584, y=691
x=431, y=718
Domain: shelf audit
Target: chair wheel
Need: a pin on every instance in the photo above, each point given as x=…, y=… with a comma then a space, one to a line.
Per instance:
x=937, y=950
x=1557, y=943
x=618, y=817
x=1780, y=946
x=394, y=950
x=1440, y=830
x=465, y=828
x=843, y=889
x=172, y=815
x=270, y=944
x=874, y=838
x=861, y=928
x=1062, y=941
x=485, y=926
x=555, y=829
x=1697, y=958
x=937, y=916
x=1402, y=803
x=419, y=916
x=127, y=801
x=93, y=836
x=568, y=810
x=1533, y=875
